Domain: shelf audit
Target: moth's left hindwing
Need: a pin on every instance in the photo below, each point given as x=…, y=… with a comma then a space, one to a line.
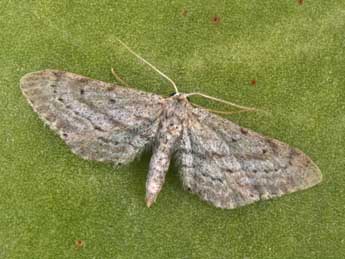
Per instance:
x=99, y=121
x=230, y=166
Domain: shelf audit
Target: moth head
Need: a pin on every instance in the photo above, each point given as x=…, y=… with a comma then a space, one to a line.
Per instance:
x=179, y=96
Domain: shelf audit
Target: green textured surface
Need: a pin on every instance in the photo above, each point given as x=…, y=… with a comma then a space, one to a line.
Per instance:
x=49, y=198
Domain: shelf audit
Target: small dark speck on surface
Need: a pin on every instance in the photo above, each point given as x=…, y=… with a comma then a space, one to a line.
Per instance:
x=79, y=243
x=215, y=19
x=253, y=82
x=184, y=12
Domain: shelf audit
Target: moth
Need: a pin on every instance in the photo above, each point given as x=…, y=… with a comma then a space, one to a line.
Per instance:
x=224, y=164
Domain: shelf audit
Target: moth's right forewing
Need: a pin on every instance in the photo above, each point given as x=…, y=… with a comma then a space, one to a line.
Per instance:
x=98, y=120
x=230, y=166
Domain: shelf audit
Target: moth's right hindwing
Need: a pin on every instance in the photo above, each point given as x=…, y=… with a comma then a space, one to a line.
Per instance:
x=99, y=121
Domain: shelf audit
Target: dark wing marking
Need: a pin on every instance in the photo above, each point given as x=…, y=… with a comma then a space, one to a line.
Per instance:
x=98, y=120
x=230, y=166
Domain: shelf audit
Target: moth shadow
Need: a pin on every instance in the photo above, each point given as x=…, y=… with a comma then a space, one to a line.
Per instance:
x=137, y=172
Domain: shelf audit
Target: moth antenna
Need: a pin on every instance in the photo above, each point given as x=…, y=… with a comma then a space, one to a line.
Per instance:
x=224, y=112
x=223, y=101
x=119, y=79
x=148, y=63
x=243, y=108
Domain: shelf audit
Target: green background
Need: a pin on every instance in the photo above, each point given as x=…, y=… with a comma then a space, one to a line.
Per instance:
x=50, y=198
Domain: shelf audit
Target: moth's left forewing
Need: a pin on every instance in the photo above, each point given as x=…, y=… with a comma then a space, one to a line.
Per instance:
x=97, y=120
x=231, y=166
